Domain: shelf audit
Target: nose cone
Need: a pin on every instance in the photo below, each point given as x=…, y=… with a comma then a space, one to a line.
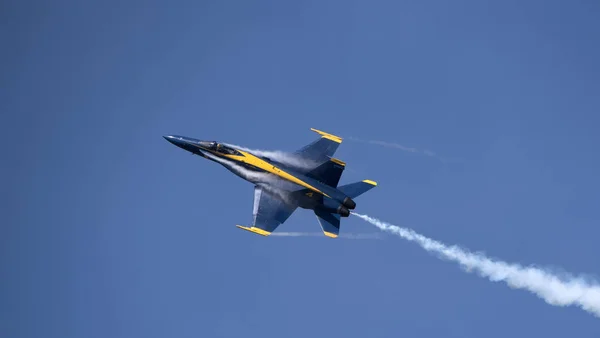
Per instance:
x=170, y=139
x=186, y=143
x=176, y=140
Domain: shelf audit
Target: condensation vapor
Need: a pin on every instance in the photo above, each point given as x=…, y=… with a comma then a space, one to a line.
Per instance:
x=266, y=181
x=279, y=156
x=396, y=146
x=319, y=234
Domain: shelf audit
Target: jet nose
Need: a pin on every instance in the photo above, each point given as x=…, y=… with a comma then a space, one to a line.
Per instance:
x=172, y=139
x=181, y=142
x=177, y=141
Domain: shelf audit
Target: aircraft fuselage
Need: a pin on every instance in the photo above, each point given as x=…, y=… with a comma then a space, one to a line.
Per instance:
x=307, y=192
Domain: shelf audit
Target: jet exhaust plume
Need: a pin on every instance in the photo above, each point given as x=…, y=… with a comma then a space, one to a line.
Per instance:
x=318, y=234
x=553, y=289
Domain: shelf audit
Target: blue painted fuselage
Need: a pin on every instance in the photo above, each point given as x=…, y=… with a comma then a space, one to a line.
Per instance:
x=293, y=180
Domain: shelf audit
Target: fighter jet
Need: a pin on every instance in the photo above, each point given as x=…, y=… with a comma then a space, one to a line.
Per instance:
x=307, y=178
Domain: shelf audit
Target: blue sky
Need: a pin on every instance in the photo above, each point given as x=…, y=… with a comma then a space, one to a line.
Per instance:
x=110, y=231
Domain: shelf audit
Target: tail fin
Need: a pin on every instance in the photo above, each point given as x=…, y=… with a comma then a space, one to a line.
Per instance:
x=330, y=223
x=353, y=190
x=328, y=172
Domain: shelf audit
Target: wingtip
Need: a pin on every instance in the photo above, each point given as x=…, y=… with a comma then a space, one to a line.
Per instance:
x=254, y=230
x=338, y=161
x=330, y=234
x=328, y=136
x=370, y=182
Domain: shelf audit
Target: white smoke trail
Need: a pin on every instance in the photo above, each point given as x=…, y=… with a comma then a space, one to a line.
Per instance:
x=318, y=234
x=554, y=290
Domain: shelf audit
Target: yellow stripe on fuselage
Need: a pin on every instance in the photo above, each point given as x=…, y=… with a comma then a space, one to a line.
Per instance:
x=268, y=167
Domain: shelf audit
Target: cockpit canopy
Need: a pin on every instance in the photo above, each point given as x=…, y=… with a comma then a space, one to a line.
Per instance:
x=212, y=145
x=219, y=148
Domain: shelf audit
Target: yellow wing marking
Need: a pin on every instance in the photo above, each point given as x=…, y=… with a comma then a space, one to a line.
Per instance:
x=327, y=135
x=370, y=182
x=329, y=234
x=255, y=230
x=340, y=162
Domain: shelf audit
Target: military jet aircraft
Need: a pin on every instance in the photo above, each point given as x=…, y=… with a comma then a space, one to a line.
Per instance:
x=307, y=178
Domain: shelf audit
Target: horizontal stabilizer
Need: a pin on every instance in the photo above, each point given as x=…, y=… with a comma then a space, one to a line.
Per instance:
x=330, y=223
x=353, y=190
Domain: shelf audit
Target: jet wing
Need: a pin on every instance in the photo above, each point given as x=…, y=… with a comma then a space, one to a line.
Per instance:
x=270, y=210
x=322, y=149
